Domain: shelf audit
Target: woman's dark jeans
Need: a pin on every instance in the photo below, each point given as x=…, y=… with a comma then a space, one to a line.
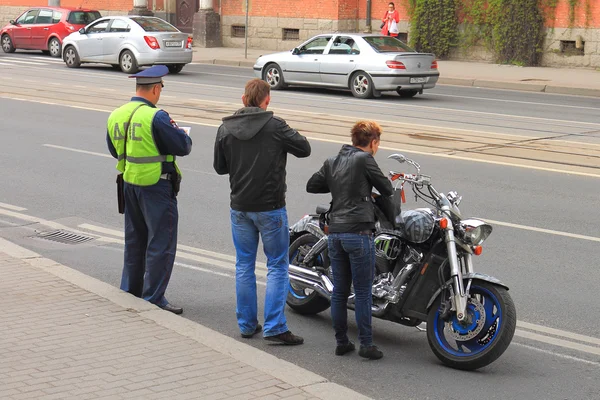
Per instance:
x=353, y=262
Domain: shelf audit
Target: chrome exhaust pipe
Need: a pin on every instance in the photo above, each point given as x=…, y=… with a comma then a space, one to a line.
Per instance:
x=311, y=280
x=376, y=310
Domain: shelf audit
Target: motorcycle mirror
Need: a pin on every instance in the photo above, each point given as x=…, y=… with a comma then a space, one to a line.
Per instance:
x=398, y=157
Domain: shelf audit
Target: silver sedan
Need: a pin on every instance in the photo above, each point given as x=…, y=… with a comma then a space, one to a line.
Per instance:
x=367, y=64
x=128, y=43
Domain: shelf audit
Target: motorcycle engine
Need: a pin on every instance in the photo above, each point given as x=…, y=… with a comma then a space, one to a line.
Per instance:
x=387, y=250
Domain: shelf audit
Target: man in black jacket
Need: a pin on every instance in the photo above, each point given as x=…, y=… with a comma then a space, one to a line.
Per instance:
x=252, y=146
x=350, y=177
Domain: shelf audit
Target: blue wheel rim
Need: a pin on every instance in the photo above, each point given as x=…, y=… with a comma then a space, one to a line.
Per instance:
x=486, y=336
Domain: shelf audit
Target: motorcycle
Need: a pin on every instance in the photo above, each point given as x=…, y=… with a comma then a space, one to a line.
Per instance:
x=423, y=273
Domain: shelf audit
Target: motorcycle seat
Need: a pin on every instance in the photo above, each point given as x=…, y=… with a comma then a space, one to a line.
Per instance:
x=321, y=209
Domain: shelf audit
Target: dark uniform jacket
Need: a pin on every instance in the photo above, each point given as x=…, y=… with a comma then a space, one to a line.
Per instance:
x=252, y=146
x=350, y=177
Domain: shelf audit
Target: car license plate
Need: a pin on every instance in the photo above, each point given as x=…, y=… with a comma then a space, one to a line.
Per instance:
x=419, y=80
x=172, y=44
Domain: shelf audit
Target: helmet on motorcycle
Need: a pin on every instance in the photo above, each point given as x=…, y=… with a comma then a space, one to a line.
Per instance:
x=415, y=225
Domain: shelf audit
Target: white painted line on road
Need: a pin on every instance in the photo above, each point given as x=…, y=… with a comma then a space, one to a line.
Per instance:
x=453, y=157
x=11, y=207
x=542, y=230
x=558, y=332
x=120, y=234
x=553, y=353
x=12, y=60
x=93, y=153
x=558, y=342
x=80, y=86
x=513, y=101
x=195, y=268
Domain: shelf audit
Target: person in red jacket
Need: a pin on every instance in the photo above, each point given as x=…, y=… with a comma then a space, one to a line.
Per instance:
x=389, y=26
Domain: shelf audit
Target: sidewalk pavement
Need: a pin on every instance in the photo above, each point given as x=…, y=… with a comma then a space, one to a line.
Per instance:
x=574, y=81
x=65, y=335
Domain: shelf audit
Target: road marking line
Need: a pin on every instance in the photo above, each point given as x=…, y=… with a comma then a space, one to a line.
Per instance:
x=556, y=354
x=514, y=101
x=120, y=234
x=11, y=60
x=449, y=156
x=558, y=332
x=558, y=342
x=542, y=230
x=11, y=207
x=453, y=157
x=93, y=153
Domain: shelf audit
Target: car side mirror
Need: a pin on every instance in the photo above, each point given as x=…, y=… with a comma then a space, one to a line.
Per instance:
x=82, y=31
x=12, y=22
x=296, y=51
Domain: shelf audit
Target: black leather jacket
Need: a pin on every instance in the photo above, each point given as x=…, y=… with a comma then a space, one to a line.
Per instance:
x=252, y=147
x=350, y=177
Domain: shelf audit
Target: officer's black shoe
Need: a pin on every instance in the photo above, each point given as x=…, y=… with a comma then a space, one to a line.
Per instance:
x=370, y=352
x=342, y=349
x=172, y=308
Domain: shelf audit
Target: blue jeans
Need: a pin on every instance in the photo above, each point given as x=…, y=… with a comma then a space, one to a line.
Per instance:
x=274, y=232
x=151, y=219
x=353, y=262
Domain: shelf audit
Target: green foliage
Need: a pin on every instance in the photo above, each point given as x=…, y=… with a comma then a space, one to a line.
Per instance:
x=435, y=26
x=517, y=30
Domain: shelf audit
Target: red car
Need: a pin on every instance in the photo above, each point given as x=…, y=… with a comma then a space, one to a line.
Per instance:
x=44, y=28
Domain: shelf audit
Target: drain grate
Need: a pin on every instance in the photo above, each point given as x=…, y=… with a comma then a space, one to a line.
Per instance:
x=64, y=237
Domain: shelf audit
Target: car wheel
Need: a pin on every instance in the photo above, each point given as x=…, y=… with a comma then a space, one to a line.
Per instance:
x=71, y=57
x=54, y=47
x=7, y=44
x=361, y=85
x=128, y=62
x=274, y=77
x=407, y=93
x=175, y=68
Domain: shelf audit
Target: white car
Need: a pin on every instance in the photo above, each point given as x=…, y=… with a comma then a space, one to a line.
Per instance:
x=127, y=43
x=367, y=64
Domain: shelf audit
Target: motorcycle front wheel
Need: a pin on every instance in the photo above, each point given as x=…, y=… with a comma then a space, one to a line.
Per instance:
x=487, y=333
x=303, y=300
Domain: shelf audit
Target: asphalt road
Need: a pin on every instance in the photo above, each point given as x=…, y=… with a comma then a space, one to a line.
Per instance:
x=56, y=173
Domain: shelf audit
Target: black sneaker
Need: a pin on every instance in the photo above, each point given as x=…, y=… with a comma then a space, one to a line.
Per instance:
x=285, y=338
x=342, y=349
x=370, y=352
x=258, y=329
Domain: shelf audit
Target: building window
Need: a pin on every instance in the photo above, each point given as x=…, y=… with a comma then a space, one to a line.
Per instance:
x=291, y=34
x=238, y=31
x=569, y=47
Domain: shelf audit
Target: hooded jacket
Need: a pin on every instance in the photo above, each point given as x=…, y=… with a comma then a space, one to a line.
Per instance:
x=252, y=146
x=350, y=177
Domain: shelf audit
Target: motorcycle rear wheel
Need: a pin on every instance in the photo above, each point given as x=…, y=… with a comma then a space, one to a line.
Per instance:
x=306, y=301
x=480, y=342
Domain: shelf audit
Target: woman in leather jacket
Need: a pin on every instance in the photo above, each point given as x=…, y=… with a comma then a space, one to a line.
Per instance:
x=350, y=177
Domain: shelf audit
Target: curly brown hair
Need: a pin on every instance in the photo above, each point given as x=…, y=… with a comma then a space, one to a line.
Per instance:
x=364, y=132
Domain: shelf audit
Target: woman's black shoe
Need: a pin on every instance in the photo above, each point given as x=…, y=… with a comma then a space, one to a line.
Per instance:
x=342, y=349
x=370, y=352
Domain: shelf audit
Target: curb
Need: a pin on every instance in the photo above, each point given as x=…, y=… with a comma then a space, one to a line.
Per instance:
x=285, y=371
x=472, y=82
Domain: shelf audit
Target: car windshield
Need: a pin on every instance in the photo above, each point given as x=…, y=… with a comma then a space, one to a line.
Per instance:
x=387, y=44
x=154, y=24
x=83, y=17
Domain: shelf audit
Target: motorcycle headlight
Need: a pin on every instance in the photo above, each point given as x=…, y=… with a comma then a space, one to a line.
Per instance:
x=474, y=231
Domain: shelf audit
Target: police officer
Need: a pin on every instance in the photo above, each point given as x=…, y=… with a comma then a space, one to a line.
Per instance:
x=145, y=141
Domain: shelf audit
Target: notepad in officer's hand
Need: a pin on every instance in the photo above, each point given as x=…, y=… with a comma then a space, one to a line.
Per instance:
x=186, y=129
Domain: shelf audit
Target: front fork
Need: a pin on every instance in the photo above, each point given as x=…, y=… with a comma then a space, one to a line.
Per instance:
x=460, y=295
